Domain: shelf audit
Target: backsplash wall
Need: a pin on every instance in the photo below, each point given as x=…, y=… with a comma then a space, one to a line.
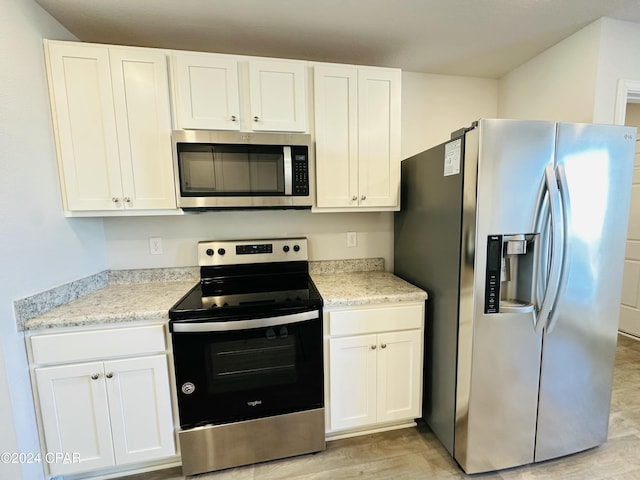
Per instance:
x=127, y=239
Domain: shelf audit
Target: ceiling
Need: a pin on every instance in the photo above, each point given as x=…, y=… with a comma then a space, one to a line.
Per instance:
x=482, y=38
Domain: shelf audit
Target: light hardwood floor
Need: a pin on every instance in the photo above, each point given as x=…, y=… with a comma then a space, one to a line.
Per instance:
x=415, y=453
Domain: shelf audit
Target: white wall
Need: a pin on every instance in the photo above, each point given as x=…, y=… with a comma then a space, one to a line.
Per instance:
x=128, y=238
x=619, y=59
x=559, y=84
x=39, y=248
x=433, y=106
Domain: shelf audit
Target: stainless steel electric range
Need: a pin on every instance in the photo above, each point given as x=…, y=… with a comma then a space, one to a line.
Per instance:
x=247, y=345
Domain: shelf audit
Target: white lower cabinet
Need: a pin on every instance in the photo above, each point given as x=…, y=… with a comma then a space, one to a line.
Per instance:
x=374, y=366
x=104, y=413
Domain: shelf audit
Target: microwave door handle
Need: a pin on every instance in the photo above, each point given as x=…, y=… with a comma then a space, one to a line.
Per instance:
x=189, y=327
x=288, y=171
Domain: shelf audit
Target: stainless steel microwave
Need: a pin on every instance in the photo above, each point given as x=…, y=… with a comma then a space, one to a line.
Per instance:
x=224, y=169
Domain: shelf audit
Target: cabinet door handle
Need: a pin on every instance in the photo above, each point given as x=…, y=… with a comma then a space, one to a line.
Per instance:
x=373, y=347
x=364, y=197
x=127, y=199
x=233, y=118
x=109, y=375
x=256, y=118
x=354, y=198
x=95, y=376
x=384, y=345
x=115, y=199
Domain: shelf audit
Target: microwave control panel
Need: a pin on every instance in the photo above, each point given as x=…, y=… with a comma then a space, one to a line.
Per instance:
x=300, y=157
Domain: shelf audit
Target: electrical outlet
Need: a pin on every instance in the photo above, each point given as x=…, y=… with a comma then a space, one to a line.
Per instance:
x=352, y=239
x=155, y=245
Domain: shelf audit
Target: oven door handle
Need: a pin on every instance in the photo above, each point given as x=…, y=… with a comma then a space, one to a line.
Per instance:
x=188, y=327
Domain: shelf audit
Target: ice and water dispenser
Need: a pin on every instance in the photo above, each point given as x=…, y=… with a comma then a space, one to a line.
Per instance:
x=511, y=273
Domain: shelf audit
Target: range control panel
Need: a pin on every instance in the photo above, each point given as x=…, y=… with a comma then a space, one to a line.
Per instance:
x=234, y=252
x=492, y=282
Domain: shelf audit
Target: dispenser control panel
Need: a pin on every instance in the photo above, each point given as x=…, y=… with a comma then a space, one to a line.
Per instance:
x=494, y=264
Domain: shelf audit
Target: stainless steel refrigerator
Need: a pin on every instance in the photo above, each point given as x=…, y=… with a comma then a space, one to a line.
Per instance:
x=517, y=231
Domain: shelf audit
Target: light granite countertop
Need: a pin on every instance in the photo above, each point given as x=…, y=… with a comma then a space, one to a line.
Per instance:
x=147, y=295
x=344, y=289
x=115, y=303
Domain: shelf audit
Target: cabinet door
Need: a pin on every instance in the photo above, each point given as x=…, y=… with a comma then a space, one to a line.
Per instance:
x=336, y=126
x=75, y=415
x=352, y=380
x=206, y=92
x=278, y=96
x=143, y=119
x=379, y=105
x=85, y=126
x=140, y=406
x=399, y=375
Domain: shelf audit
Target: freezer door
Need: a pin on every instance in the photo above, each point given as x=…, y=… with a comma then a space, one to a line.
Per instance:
x=594, y=170
x=499, y=353
x=427, y=254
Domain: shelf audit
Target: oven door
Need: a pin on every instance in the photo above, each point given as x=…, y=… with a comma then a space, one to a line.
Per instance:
x=242, y=369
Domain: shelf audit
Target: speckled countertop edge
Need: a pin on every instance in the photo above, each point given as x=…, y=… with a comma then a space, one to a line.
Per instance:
x=34, y=311
x=345, y=289
x=137, y=295
x=114, y=304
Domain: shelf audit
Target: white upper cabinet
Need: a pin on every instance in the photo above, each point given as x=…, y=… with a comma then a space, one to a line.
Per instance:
x=206, y=91
x=278, y=95
x=113, y=127
x=336, y=127
x=357, y=127
x=226, y=92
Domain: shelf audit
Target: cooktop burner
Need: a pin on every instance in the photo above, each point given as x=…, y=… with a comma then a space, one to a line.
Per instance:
x=249, y=278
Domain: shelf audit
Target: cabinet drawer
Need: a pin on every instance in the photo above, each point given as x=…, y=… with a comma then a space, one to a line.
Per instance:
x=370, y=320
x=97, y=344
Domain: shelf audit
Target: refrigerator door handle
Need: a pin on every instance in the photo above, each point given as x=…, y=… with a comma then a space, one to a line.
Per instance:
x=557, y=240
x=542, y=228
x=566, y=215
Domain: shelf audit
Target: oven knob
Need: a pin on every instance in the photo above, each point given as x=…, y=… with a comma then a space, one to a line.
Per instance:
x=296, y=248
x=209, y=252
x=221, y=251
x=285, y=248
x=188, y=388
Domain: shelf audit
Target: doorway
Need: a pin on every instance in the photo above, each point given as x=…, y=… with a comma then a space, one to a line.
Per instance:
x=628, y=113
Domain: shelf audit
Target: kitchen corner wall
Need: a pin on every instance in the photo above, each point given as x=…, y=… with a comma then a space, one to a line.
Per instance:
x=432, y=107
x=559, y=84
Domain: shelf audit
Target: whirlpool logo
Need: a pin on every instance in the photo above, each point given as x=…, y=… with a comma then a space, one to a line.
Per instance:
x=254, y=403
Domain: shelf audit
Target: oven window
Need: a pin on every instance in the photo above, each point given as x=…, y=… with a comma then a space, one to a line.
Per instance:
x=266, y=358
x=243, y=374
x=225, y=170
